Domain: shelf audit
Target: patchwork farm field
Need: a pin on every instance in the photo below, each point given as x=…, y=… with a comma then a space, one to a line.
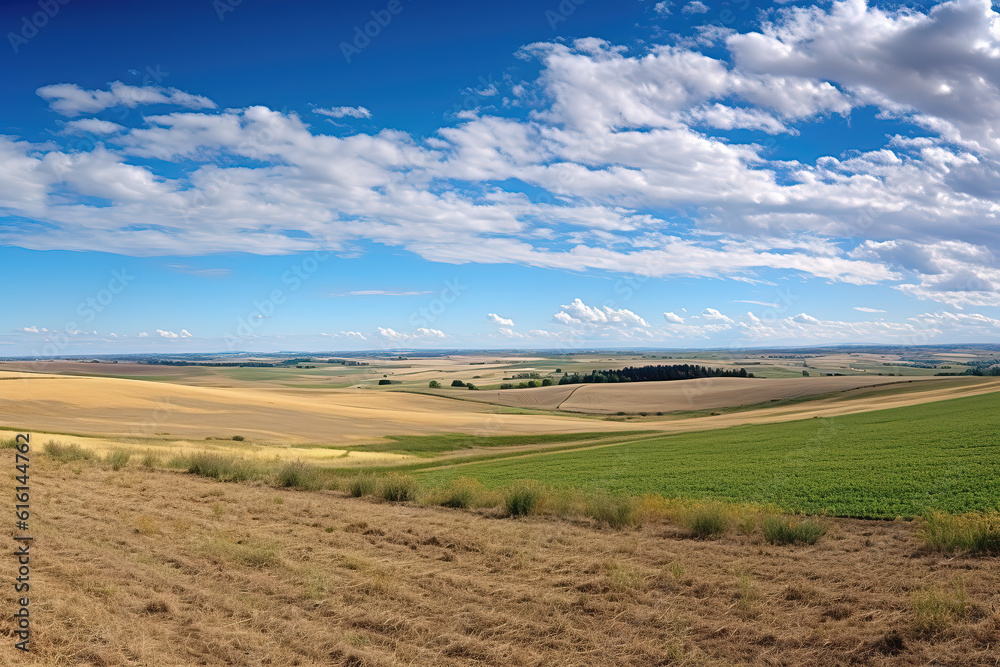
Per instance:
x=881, y=464
x=281, y=520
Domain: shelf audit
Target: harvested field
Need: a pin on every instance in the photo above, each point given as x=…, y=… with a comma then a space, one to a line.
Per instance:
x=703, y=394
x=159, y=568
x=112, y=406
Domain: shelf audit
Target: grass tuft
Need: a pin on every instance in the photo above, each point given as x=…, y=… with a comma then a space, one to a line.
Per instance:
x=398, y=488
x=463, y=493
x=362, y=485
x=614, y=511
x=220, y=467
x=298, y=475
x=117, y=458
x=705, y=519
x=66, y=453
x=782, y=530
x=976, y=532
x=936, y=610
x=522, y=499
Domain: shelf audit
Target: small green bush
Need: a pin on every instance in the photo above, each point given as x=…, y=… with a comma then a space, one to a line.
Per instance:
x=117, y=458
x=457, y=383
x=506, y=385
x=238, y=438
x=362, y=485
x=705, y=520
x=222, y=468
x=67, y=453
x=782, y=530
x=150, y=460
x=9, y=443
x=462, y=493
x=613, y=511
x=522, y=500
x=299, y=475
x=434, y=384
x=398, y=488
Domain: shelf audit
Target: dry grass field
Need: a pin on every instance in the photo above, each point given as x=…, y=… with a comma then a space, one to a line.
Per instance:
x=151, y=567
x=104, y=406
x=703, y=394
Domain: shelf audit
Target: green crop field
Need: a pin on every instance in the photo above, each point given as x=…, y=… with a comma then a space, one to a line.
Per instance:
x=882, y=464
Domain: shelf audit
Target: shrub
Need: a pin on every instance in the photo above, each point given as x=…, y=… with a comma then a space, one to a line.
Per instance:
x=472, y=386
x=706, y=519
x=782, y=530
x=522, y=499
x=398, y=488
x=462, y=493
x=9, y=443
x=67, y=453
x=238, y=438
x=457, y=383
x=117, y=458
x=977, y=532
x=298, y=474
x=150, y=460
x=434, y=384
x=547, y=382
x=507, y=385
x=222, y=468
x=362, y=485
x=613, y=511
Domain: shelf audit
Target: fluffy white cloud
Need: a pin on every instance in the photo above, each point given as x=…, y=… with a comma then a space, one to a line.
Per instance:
x=617, y=141
x=673, y=318
x=713, y=315
x=70, y=99
x=695, y=7
x=580, y=313
x=866, y=309
x=421, y=333
x=502, y=321
x=170, y=334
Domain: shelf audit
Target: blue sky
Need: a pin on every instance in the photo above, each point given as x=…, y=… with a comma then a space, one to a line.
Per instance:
x=215, y=176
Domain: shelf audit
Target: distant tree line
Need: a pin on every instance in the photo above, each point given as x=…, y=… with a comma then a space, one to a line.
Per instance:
x=654, y=374
x=229, y=364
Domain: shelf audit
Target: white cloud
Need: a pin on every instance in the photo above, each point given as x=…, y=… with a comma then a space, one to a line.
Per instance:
x=33, y=329
x=580, y=313
x=92, y=126
x=714, y=315
x=341, y=112
x=865, y=309
x=695, y=7
x=421, y=333
x=502, y=321
x=767, y=304
x=142, y=334
x=70, y=99
x=170, y=334
x=673, y=318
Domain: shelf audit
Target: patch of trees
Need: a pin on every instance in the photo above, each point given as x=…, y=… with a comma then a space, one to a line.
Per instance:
x=654, y=374
x=227, y=364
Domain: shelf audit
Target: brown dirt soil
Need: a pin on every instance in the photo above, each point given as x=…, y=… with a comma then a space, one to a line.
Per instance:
x=161, y=568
